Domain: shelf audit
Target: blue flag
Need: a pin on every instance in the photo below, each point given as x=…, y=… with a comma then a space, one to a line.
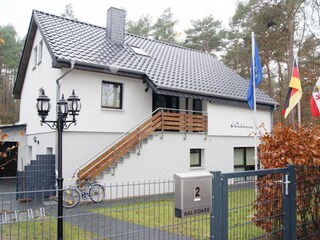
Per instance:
x=258, y=74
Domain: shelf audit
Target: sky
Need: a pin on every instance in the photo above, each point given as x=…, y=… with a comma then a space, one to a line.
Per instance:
x=18, y=12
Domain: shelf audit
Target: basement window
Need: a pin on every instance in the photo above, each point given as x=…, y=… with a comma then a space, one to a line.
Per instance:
x=139, y=51
x=243, y=161
x=195, y=157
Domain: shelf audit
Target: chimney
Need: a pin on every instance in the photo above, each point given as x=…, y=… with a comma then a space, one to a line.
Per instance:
x=116, y=25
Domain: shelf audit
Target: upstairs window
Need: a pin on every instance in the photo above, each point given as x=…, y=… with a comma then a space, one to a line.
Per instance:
x=111, y=95
x=40, y=52
x=35, y=54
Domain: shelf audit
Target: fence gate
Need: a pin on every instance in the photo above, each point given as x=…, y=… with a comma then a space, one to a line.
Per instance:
x=254, y=204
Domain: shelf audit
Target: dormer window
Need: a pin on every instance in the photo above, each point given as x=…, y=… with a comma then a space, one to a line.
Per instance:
x=139, y=50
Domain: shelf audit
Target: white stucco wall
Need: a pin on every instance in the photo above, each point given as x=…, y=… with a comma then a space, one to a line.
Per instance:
x=43, y=75
x=235, y=121
x=162, y=158
x=136, y=105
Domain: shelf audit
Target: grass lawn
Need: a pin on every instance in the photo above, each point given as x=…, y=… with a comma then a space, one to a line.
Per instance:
x=45, y=228
x=160, y=214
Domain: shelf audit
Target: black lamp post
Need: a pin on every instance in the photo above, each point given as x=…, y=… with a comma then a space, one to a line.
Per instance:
x=72, y=107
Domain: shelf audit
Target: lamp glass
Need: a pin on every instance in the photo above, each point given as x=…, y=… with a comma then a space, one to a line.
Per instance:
x=43, y=105
x=74, y=104
x=63, y=107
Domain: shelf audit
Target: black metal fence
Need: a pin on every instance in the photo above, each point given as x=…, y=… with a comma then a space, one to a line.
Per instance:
x=240, y=210
x=308, y=202
x=264, y=204
x=273, y=204
x=136, y=210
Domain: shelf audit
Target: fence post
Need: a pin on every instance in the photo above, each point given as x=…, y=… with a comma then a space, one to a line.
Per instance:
x=289, y=203
x=216, y=215
x=293, y=201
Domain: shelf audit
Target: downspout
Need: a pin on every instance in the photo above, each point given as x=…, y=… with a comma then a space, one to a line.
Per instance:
x=72, y=63
x=58, y=82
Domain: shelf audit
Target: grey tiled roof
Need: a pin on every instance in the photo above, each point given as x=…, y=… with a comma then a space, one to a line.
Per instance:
x=168, y=66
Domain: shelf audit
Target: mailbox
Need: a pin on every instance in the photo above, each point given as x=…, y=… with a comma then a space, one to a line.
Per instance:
x=193, y=194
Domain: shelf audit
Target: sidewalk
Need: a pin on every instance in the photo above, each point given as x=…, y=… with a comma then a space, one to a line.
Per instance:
x=111, y=228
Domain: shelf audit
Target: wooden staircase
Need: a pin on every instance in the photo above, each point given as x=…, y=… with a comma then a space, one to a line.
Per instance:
x=160, y=120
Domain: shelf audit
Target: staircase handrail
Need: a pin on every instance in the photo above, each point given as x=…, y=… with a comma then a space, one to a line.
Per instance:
x=116, y=140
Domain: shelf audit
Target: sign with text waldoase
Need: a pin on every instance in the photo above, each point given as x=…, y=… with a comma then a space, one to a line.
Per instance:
x=193, y=194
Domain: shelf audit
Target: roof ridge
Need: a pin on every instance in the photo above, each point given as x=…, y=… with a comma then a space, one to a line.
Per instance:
x=68, y=19
x=127, y=33
x=168, y=43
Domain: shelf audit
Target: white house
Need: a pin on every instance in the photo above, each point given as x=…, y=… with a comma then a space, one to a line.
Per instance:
x=122, y=79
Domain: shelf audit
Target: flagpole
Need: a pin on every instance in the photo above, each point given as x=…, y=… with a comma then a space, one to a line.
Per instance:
x=299, y=106
x=254, y=104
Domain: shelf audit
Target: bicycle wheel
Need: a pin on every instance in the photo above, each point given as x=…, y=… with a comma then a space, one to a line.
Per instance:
x=96, y=192
x=70, y=197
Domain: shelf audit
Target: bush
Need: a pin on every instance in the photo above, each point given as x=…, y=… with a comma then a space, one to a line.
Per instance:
x=282, y=146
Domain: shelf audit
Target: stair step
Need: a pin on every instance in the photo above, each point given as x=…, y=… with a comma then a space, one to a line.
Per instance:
x=99, y=177
x=132, y=150
x=145, y=140
x=150, y=137
x=106, y=171
x=120, y=160
x=126, y=155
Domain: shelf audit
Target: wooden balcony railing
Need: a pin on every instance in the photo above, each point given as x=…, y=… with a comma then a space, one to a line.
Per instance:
x=160, y=120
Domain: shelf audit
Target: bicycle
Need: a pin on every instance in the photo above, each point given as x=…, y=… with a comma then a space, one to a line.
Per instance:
x=71, y=195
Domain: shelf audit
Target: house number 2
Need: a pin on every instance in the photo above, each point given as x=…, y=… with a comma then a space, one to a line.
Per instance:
x=197, y=194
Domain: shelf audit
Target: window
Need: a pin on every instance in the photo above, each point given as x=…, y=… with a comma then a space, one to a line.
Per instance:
x=195, y=158
x=35, y=54
x=139, y=51
x=197, y=105
x=49, y=150
x=40, y=52
x=244, y=159
x=111, y=95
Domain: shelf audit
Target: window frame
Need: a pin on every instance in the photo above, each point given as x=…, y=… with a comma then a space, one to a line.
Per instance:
x=199, y=151
x=244, y=165
x=120, y=95
x=35, y=57
x=40, y=52
x=195, y=104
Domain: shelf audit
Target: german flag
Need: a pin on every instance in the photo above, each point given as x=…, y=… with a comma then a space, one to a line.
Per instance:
x=294, y=92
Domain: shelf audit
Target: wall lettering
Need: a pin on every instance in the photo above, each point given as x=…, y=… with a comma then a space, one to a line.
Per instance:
x=240, y=125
